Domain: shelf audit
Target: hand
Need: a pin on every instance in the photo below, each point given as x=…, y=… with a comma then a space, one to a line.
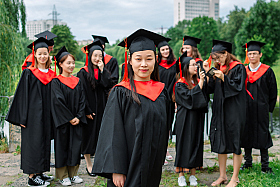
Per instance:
x=75, y=121
x=219, y=74
x=100, y=65
x=206, y=66
x=119, y=179
x=90, y=116
x=22, y=125
x=202, y=76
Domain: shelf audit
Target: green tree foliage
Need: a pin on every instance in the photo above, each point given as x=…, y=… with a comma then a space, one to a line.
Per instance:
x=263, y=21
x=22, y=18
x=205, y=28
x=12, y=53
x=64, y=38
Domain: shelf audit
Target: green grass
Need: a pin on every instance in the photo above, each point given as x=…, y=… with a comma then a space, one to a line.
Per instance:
x=276, y=69
x=78, y=66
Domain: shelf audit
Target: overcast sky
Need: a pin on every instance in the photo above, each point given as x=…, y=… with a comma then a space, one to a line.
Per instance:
x=114, y=18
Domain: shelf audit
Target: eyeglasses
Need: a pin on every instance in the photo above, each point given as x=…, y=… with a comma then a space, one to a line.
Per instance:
x=216, y=59
x=195, y=65
x=253, y=54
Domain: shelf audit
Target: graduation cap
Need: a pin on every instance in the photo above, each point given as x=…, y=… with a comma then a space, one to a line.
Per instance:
x=163, y=43
x=182, y=61
x=192, y=41
x=95, y=45
x=140, y=40
x=61, y=53
x=102, y=39
x=219, y=45
x=39, y=43
x=48, y=35
x=254, y=46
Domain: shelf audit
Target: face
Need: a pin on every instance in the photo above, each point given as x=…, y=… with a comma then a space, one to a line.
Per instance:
x=68, y=65
x=192, y=68
x=50, y=48
x=96, y=57
x=187, y=48
x=164, y=51
x=42, y=55
x=219, y=58
x=143, y=63
x=254, y=56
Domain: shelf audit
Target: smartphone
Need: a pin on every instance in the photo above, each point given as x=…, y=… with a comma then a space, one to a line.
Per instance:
x=210, y=73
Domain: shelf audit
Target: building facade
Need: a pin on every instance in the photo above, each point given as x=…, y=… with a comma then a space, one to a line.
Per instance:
x=189, y=9
x=38, y=26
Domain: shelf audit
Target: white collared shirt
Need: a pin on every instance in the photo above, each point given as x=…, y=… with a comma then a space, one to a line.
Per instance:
x=256, y=69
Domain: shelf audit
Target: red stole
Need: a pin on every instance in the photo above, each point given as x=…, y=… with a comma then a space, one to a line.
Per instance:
x=231, y=65
x=107, y=58
x=254, y=76
x=27, y=59
x=198, y=59
x=44, y=78
x=183, y=80
x=85, y=68
x=95, y=73
x=71, y=82
x=164, y=64
x=150, y=89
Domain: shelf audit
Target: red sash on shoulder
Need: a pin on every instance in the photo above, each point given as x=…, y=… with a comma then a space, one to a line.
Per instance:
x=107, y=58
x=182, y=80
x=85, y=68
x=254, y=76
x=45, y=78
x=231, y=65
x=95, y=73
x=150, y=89
x=27, y=59
x=71, y=82
x=198, y=59
x=164, y=64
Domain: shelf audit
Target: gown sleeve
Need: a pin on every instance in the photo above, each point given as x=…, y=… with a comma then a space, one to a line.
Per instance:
x=60, y=112
x=81, y=112
x=190, y=99
x=106, y=79
x=111, y=153
x=82, y=75
x=234, y=83
x=272, y=90
x=114, y=70
x=18, y=111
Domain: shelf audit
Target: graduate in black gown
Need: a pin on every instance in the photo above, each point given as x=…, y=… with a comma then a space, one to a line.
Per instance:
x=97, y=81
x=134, y=131
x=67, y=105
x=229, y=108
x=191, y=103
x=111, y=63
x=262, y=85
x=31, y=110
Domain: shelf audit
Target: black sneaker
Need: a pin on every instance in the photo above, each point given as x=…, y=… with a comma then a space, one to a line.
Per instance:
x=267, y=170
x=245, y=166
x=37, y=181
x=46, y=177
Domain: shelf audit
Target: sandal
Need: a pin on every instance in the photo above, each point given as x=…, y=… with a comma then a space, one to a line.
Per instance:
x=217, y=183
x=169, y=158
x=235, y=183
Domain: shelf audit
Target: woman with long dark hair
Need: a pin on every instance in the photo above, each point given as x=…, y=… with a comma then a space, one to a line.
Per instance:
x=191, y=103
x=134, y=131
x=229, y=108
x=96, y=81
x=31, y=109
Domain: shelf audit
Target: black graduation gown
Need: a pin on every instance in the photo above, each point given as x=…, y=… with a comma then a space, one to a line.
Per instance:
x=168, y=77
x=95, y=100
x=31, y=107
x=189, y=126
x=228, y=111
x=113, y=68
x=66, y=104
x=264, y=92
x=133, y=138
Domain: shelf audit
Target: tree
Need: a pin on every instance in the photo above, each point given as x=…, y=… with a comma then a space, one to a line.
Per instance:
x=22, y=19
x=64, y=38
x=263, y=21
x=206, y=29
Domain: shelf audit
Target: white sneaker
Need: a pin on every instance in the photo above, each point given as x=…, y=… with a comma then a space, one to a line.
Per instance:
x=165, y=162
x=193, y=180
x=182, y=181
x=77, y=179
x=65, y=182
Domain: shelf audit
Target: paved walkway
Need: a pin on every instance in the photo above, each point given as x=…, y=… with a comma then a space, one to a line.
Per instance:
x=11, y=175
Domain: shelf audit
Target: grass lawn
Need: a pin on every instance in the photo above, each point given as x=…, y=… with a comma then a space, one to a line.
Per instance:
x=78, y=66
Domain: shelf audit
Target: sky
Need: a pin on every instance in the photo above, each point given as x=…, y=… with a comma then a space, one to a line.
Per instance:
x=115, y=19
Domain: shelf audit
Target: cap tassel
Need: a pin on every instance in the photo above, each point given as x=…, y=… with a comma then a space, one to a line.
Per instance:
x=209, y=61
x=246, y=59
x=86, y=56
x=180, y=67
x=125, y=76
x=54, y=64
x=33, y=59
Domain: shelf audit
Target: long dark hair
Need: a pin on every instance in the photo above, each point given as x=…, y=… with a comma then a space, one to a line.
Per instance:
x=230, y=57
x=90, y=75
x=132, y=92
x=170, y=58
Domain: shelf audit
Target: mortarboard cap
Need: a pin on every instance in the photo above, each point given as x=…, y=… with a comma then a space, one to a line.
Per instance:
x=192, y=41
x=254, y=46
x=61, y=53
x=39, y=43
x=95, y=45
x=219, y=45
x=163, y=43
x=48, y=35
x=184, y=60
x=102, y=39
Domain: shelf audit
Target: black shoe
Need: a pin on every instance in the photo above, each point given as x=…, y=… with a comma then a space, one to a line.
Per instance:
x=245, y=166
x=52, y=165
x=267, y=170
x=37, y=181
x=90, y=173
x=46, y=177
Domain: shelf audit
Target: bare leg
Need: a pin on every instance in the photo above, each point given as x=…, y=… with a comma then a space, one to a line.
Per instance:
x=222, y=167
x=193, y=171
x=181, y=174
x=88, y=161
x=237, y=159
x=31, y=175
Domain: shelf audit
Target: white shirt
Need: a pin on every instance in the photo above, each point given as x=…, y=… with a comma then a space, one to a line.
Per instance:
x=44, y=70
x=256, y=69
